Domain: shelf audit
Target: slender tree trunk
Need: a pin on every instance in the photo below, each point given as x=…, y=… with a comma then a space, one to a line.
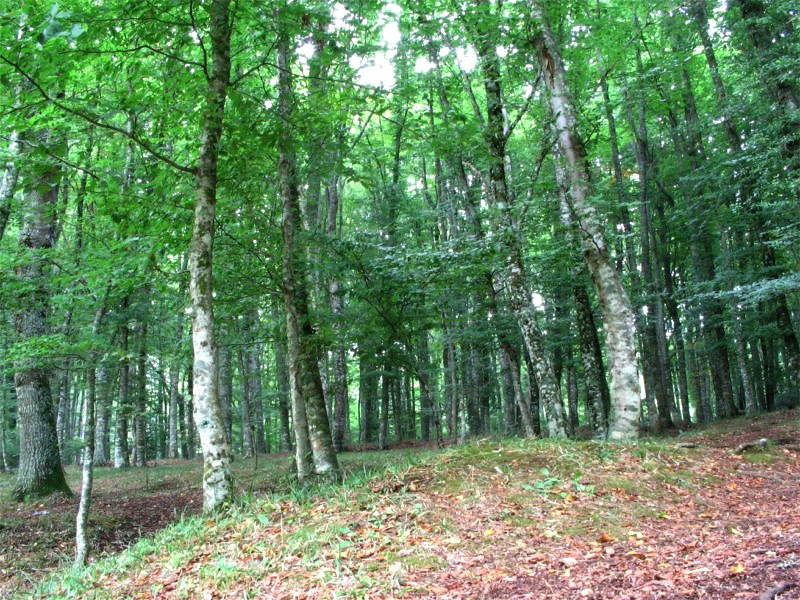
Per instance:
x=174, y=412
x=103, y=413
x=383, y=433
x=251, y=371
x=284, y=398
x=217, y=476
x=121, y=458
x=617, y=312
x=341, y=408
x=140, y=418
x=87, y=473
x=248, y=444
x=655, y=385
x=226, y=388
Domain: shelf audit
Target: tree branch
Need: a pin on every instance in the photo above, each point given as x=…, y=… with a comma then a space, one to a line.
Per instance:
x=97, y=122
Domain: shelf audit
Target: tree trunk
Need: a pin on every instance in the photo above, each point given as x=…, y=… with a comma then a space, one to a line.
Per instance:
x=248, y=444
x=226, y=388
x=383, y=433
x=341, y=407
x=284, y=394
x=597, y=395
x=303, y=365
x=121, y=458
x=87, y=474
x=217, y=477
x=617, y=313
x=140, y=418
x=515, y=274
x=175, y=401
x=40, y=472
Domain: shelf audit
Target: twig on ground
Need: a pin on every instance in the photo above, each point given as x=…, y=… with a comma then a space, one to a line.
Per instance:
x=773, y=593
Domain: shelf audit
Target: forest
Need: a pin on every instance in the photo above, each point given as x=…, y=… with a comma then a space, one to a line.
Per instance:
x=230, y=229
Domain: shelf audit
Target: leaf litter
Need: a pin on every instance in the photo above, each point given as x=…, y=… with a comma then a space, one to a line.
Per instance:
x=505, y=519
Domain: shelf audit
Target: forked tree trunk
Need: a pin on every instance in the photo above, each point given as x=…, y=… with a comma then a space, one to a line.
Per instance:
x=311, y=419
x=217, y=476
x=617, y=312
x=515, y=276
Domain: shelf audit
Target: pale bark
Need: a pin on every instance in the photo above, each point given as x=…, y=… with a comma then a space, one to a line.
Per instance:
x=140, y=418
x=87, y=471
x=103, y=412
x=121, y=459
x=340, y=404
x=217, y=476
x=617, y=313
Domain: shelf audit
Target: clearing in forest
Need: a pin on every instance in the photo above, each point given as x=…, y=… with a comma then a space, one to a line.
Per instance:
x=685, y=517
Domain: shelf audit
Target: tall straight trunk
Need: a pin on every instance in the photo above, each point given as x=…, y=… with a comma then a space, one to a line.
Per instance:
x=341, y=408
x=251, y=371
x=703, y=259
x=367, y=397
x=245, y=412
x=655, y=385
x=217, y=476
x=87, y=471
x=140, y=418
x=121, y=458
x=302, y=347
x=572, y=394
x=226, y=388
x=40, y=472
x=63, y=412
x=383, y=432
x=425, y=395
x=616, y=308
x=515, y=276
x=750, y=11
x=509, y=390
x=450, y=384
x=284, y=394
x=174, y=412
x=103, y=413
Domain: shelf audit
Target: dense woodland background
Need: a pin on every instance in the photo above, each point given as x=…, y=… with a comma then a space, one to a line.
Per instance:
x=390, y=177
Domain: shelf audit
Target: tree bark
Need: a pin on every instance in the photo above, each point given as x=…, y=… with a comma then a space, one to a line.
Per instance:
x=303, y=365
x=515, y=275
x=617, y=313
x=217, y=476
x=40, y=472
x=121, y=458
x=87, y=471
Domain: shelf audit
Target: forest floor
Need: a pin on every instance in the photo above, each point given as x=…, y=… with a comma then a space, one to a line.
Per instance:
x=678, y=517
